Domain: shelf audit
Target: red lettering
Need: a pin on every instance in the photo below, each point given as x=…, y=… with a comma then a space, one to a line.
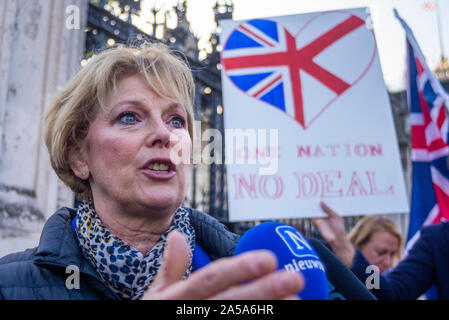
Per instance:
x=340, y=150
x=241, y=183
x=375, y=150
x=255, y=187
x=356, y=184
x=302, y=151
x=373, y=187
x=278, y=187
x=328, y=183
x=261, y=153
x=307, y=185
x=361, y=150
x=318, y=152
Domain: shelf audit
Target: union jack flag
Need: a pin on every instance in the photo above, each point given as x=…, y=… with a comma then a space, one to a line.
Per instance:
x=429, y=130
x=262, y=58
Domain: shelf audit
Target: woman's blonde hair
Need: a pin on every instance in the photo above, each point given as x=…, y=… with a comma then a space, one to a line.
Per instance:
x=363, y=231
x=74, y=108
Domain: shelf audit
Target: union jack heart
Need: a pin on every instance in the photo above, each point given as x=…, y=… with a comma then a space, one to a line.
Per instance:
x=303, y=74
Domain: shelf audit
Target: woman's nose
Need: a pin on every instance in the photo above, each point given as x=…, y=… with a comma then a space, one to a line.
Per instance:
x=388, y=261
x=158, y=134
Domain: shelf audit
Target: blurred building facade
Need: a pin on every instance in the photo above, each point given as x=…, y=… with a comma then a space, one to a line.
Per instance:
x=42, y=43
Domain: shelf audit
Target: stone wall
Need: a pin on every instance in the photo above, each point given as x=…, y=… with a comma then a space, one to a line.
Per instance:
x=42, y=44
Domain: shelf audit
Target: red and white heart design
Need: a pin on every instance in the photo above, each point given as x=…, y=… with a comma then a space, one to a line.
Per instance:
x=328, y=56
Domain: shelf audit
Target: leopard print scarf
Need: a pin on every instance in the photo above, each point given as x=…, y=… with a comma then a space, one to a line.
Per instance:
x=122, y=267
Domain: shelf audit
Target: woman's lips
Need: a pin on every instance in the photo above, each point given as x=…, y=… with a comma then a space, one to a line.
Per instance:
x=159, y=175
x=159, y=168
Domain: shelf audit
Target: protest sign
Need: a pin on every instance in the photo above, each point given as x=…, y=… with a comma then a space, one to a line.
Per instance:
x=307, y=118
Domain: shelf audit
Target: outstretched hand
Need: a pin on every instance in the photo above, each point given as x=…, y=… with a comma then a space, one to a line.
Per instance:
x=249, y=276
x=332, y=229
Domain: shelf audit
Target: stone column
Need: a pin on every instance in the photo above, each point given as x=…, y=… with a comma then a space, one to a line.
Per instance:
x=42, y=44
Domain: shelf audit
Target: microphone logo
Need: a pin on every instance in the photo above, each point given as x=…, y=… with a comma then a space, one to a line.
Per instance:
x=295, y=242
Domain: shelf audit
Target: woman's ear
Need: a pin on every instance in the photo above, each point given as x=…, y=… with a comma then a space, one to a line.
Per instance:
x=78, y=163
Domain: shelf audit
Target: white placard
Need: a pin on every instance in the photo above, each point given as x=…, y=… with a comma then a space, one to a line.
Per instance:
x=307, y=93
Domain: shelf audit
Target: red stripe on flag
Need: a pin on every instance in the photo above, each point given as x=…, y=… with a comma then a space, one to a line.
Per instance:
x=424, y=108
x=441, y=118
x=419, y=66
x=328, y=79
x=419, y=137
x=294, y=64
x=256, y=36
x=296, y=60
x=331, y=36
x=318, y=45
x=437, y=145
x=443, y=204
x=254, y=61
x=268, y=85
x=439, y=142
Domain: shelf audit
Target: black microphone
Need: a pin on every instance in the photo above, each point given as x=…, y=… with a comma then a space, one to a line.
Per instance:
x=342, y=283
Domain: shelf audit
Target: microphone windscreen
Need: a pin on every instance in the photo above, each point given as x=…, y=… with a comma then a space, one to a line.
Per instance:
x=200, y=258
x=293, y=253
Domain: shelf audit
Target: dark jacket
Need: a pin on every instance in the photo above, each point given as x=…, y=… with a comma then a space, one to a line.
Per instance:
x=40, y=273
x=427, y=263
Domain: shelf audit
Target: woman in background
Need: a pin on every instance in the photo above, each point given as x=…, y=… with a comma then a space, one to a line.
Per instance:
x=376, y=237
x=426, y=264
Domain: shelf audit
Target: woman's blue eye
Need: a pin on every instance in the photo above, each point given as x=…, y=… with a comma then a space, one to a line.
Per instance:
x=178, y=122
x=128, y=118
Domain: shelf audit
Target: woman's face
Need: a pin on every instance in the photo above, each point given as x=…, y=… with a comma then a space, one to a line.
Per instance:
x=380, y=250
x=128, y=149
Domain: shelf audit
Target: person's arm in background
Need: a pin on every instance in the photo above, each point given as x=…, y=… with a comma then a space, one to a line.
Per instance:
x=332, y=229
x=412, y=276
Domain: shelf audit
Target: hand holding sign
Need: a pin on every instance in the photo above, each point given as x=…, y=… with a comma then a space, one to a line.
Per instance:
x=332, y=229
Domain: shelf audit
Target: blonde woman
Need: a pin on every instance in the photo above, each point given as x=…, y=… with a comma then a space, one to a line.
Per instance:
x=376, y=241
x=377, y=238
x=111, y=133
